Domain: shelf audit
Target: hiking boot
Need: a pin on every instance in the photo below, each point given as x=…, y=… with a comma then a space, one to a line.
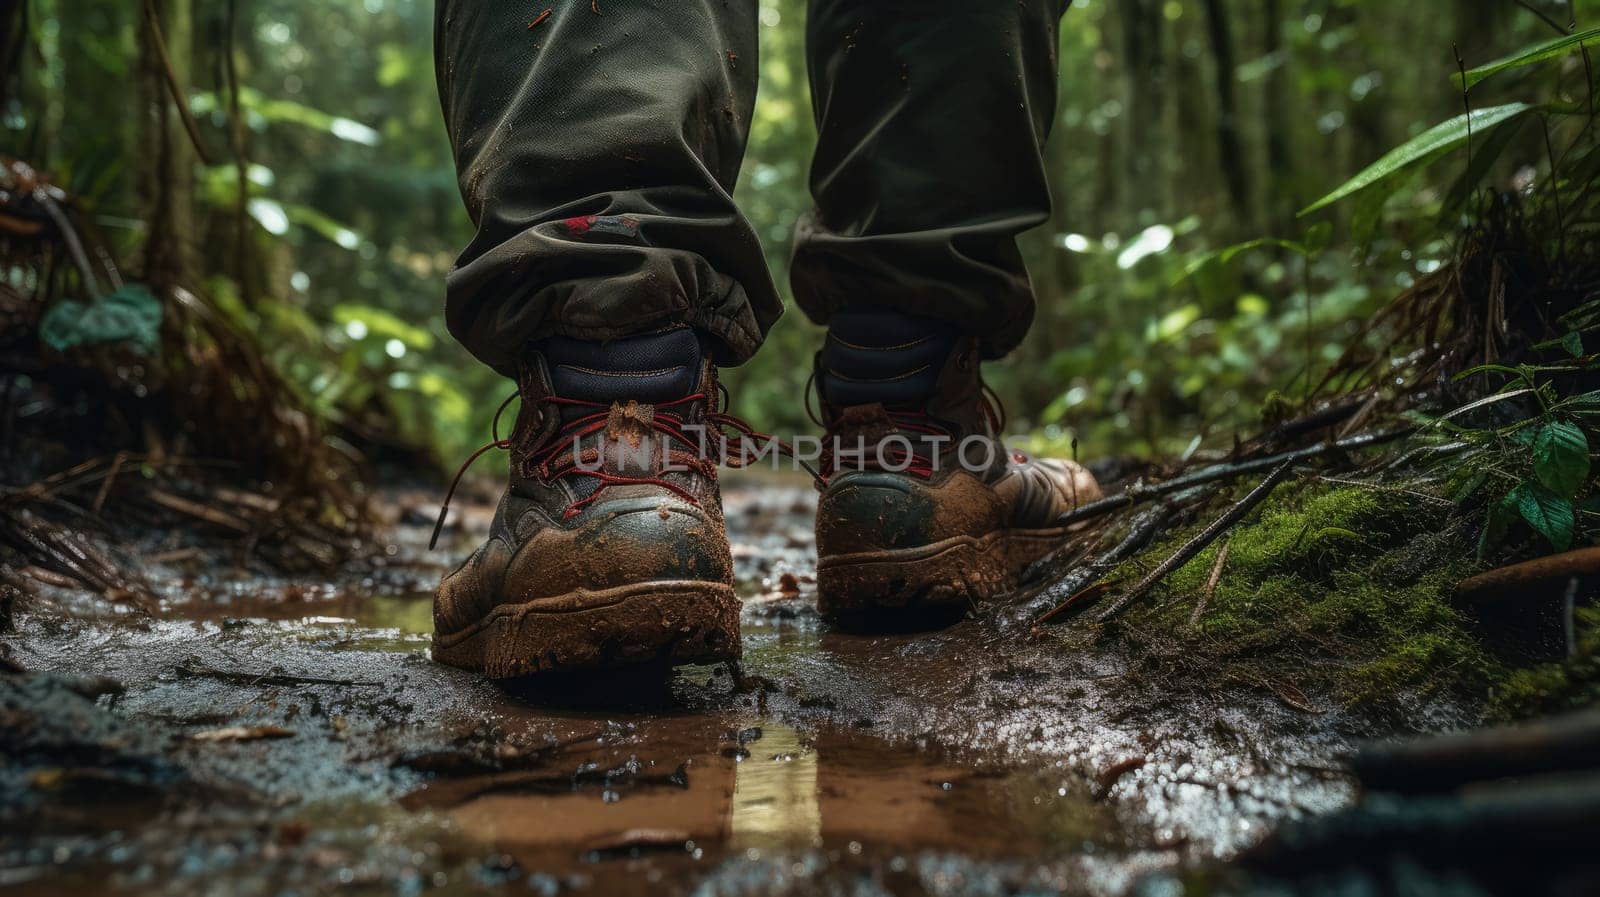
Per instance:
x=608, y=549
x=924, y=510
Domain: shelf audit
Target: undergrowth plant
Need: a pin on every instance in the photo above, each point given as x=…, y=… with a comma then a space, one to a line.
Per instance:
x=1535, y=466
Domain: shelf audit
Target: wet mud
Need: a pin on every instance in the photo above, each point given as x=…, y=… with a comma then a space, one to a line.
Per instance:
x=267, y=736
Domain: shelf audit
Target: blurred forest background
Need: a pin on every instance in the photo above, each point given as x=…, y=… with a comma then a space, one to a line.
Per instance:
x=321, y=211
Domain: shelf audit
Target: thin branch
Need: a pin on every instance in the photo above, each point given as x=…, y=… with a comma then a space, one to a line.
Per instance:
x=1144, y=492
x=1211, y=584
x=1466, y=99
x=1542, y=15
x=159, y=41
x=1194, y=546
x=1588, y=67
x=1077, y=583
x=241, y=161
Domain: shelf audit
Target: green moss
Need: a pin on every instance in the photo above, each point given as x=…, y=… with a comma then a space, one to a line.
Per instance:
x=1555, y=687
x=1341, y=588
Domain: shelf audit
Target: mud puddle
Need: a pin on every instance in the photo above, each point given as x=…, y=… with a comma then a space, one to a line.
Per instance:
x=267, y=737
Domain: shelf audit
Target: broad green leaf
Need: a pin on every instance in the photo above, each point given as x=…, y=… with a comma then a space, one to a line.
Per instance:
x=1252, y=305
x=1546, y=512
x=1582, y=399
x=313, y=220
x=1573, y=343
x=1561, y=458
x=361, y=322
x=1439, y=138
x=270, y=215
x=1228, y=253
x=1584, y=316
x=1517, y=374
x=264, y=110
x=1173, y=323
x=1557, y=46
x=1486, y=400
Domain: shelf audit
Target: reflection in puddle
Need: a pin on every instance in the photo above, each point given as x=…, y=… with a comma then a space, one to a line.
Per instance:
x=756, y=790
x=775, y=793
x=411, y=614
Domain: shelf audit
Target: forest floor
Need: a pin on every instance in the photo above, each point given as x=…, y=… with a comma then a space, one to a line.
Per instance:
x=264, y=735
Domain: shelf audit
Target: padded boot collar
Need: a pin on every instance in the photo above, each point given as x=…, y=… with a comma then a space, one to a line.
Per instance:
x=649, y=368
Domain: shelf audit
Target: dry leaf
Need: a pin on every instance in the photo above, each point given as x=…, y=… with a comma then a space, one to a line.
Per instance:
x=242, y=733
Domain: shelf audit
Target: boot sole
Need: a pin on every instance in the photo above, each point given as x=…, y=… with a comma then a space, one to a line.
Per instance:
x=945, y=578
x=655, y=623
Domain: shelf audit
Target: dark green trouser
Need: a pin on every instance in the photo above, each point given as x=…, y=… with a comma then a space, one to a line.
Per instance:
x=598, y=148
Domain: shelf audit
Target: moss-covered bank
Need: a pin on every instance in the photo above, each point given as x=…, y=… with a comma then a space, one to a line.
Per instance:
x=1549, y=688
x=1336, y=589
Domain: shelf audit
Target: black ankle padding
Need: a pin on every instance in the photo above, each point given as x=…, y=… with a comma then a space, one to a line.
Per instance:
x=883, y=356
x=651, y=368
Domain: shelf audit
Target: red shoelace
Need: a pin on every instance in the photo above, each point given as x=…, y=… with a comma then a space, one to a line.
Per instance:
x=561, y=457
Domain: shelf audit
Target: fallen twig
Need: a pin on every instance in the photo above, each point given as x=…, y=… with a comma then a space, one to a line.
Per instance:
x=1194, y=546
x=195, y=509
x=1336, y=412
x=1111, y=775
x=191, y=668
x=51, y=577
x=1145, y=491
x=1140, y=532
x=106, y=484
x=1382, y=487
x=1211, y=584
x=51, y=548
x=1082, y=596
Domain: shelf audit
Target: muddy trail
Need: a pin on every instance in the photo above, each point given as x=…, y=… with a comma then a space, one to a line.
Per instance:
x=261, y=735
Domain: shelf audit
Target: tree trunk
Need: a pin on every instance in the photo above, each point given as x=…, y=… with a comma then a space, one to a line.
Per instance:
x=1230, y=151
x=13, y=33
x=166, y=161
x=1142, y=31
x=1281, y=199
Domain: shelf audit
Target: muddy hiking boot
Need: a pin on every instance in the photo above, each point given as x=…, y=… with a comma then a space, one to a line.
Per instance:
x=608, y=548
x=925, y=511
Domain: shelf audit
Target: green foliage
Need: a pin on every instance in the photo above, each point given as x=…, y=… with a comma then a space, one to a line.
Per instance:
x=1550, y=49
x=1424, y=147
x=1188, y=340
x=1315, y=240
x=1533, y=463
x=261, y=111
x=1561, y=457
x=1551, y=514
